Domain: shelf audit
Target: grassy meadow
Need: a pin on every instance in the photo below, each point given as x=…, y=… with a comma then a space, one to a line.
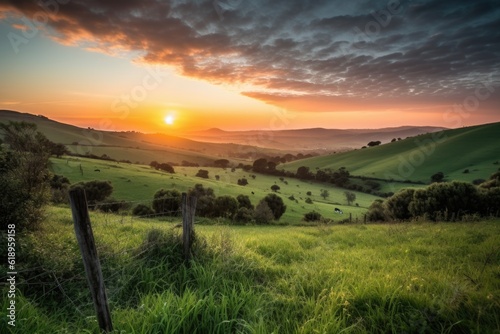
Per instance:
x=353, y=278
x=139, y=183
x=417, y=158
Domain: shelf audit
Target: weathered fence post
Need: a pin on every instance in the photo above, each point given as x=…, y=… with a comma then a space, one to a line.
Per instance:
x=188, y=212
x=85, y=237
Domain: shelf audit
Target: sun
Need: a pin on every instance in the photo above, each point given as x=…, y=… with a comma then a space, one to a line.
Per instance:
x=169, y=119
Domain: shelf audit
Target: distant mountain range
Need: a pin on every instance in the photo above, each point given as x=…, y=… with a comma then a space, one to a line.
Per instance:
x=209, y=142
x=314, y=139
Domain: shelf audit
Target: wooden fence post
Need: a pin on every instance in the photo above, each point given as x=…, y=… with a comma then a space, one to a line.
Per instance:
x=85, y=237
x=188, y=212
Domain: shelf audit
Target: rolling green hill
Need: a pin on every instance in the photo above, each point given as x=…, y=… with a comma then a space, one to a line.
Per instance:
x=132, y=146
x=476, y=149
x=139, y=183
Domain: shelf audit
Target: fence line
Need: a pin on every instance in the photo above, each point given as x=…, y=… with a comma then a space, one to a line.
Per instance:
x=85, y=237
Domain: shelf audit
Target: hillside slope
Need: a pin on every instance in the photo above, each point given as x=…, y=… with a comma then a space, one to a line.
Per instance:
x=475, y=148
x=133, y=146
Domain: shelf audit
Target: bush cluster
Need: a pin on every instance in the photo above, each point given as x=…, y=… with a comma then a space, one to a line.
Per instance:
x=237, y=210
x=446, y=201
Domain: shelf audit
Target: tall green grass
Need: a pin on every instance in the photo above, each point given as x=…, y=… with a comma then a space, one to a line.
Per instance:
x=394, y=278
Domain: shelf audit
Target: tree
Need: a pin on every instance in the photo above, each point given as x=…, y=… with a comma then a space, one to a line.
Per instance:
x=438, y=177
x=275, y=187
x=24, y=175
x=350, y=197
x=59, y=186
x=442, y=200
x=225, y=206
x=245, y=215
x=303, y=173
x=322, y=176
x=263, y=214
x=312, y=216
x=276, y=205
x=398, y=205
x=206, y=200
x=222, y=163
x=340, y=177
x=260, y=165
x=199, y=191
x=324, y=193
x=244, y=202
x=57, y=149
x=202, y=173
x=166, y=167
x=96, y=190
x=376, y=211
x=167, y=202
x=271, y=166
x=242, y=182
x=374, y=143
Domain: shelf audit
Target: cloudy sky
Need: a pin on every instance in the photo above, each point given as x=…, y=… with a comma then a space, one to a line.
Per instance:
x=234, y=64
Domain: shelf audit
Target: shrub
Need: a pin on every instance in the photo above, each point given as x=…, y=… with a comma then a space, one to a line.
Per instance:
x=166, y=167
x=372, y=184
x=162, y=246
x=309, y=201
x=142, y=210
x=59, y=186
x=454, y=197
x=242, y=182
x=95, y=191
x=324, y=193
x=24, y=175
x=203, y=173
x=376, y=211
x=225, y=206
x=263, y=214
x=275, y=187
x=111, y=205
x=244, y=202
x=206, y=200
x=438, y=177
x=478, y=181
x=398, y=204
x=244, y=215
x=312, y=216
x=167, y=202
x=350, y=197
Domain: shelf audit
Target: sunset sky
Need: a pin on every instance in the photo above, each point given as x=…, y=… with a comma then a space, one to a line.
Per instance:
x=237, y=65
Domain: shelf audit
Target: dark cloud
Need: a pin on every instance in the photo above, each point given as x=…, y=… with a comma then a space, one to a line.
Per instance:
x=321, y=50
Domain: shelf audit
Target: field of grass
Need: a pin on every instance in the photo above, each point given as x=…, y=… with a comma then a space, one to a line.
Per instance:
x=138, y=182
x=451, y=152
x=394, y=278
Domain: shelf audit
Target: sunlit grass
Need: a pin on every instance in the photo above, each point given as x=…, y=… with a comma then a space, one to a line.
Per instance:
x=413, y=278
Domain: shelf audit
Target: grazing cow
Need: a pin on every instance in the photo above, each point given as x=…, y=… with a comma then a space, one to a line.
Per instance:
x=337, y=210
x=97, y=170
